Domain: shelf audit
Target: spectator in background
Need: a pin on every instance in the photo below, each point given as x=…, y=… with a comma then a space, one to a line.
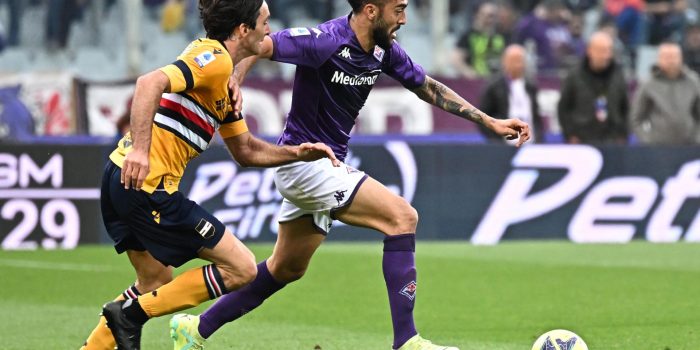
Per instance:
x=666, y=109
x=152, y=7
x=14, y=8
x=666, y=19
x=622, y=56
x=593, y=106
x=628, y=16
x=3, y=41
x=478, y=50
x=173, y=15
x=525, y=6
x=691, y=48
x=193, y=24
x=580, y=6
x=546, y=29
x=59, y=21
x=512, y=95
x=572, y=53
x=507, y=19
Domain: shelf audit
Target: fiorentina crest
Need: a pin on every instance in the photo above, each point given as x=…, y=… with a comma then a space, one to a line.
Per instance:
x=378, y=53
x=409, y=290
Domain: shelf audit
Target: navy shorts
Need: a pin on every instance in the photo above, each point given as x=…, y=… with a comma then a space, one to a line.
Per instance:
x=169, y=226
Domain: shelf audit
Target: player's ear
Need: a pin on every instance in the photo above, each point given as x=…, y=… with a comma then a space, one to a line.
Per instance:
x=371, y=10
x=244, y=28
x=240, y=31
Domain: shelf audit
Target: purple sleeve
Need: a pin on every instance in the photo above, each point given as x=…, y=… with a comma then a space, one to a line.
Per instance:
x=302, y=46
x=400, y=67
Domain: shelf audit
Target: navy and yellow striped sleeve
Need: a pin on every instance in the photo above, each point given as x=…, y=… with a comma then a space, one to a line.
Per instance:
x=180, y=76
x=233, y=125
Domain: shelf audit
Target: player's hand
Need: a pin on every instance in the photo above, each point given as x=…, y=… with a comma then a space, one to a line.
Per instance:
x=309, y=152
x=135, y=169
x=512, y=129
x=234, y=93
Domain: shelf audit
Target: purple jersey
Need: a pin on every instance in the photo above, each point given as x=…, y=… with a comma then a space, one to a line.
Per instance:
x=333, y=79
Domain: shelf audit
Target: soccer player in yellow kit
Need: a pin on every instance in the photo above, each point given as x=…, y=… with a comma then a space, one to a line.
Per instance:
x=176, y=110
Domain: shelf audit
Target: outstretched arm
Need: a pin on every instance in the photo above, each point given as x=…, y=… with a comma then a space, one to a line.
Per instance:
x=441, y=96
x=250, y=151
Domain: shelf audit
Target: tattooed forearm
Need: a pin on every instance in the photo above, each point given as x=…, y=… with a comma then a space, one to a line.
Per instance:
x=436, y=93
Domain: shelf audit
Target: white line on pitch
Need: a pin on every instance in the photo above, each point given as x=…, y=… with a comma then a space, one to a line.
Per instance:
x=33, y=264
x=51, y=193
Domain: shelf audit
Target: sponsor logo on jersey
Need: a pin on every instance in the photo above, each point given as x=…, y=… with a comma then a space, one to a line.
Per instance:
x=355, y=80
x=301, y=31
x=378, y=53
x=220, y=104
x=345, y=53
x=204, y=58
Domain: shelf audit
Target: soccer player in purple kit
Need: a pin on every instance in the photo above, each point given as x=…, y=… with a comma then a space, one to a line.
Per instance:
x=338, y=63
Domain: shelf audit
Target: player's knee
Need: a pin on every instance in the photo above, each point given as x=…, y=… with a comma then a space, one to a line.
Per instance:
x=405, y=219
x=287, y=270
x=153, y=279
x=239, y=276
x=412, y=218
x=291, y=273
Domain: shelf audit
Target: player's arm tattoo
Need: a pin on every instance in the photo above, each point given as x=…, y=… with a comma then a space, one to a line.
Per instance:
x=437, y=94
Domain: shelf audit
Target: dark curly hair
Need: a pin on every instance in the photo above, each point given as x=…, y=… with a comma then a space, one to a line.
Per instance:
x=357, y=5
x=220, y=17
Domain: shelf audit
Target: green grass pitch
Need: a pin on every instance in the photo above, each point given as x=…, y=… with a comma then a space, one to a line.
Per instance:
x=635, y=296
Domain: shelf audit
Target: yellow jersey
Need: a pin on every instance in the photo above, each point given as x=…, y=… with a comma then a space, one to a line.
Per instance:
x=197, y=105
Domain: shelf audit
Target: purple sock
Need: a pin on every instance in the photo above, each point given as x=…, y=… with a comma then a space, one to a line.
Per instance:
x=399, y=267
x=237, y=303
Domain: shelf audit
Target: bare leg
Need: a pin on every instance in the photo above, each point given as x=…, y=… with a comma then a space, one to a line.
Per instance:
x=376, y=207
x=150, y=274
x=296, y=243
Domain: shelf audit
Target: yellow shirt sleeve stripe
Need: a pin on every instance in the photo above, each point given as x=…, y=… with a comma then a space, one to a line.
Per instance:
x=233, y=129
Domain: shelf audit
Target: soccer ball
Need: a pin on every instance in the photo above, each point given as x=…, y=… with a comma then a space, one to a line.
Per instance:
x=559, y=339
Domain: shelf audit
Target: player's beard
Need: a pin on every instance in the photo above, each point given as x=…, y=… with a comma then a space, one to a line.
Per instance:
x=381, y=34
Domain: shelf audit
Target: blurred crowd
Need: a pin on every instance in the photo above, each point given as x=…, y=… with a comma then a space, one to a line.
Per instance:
x=554, y=31
x=592, y=46
x=507, y=42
